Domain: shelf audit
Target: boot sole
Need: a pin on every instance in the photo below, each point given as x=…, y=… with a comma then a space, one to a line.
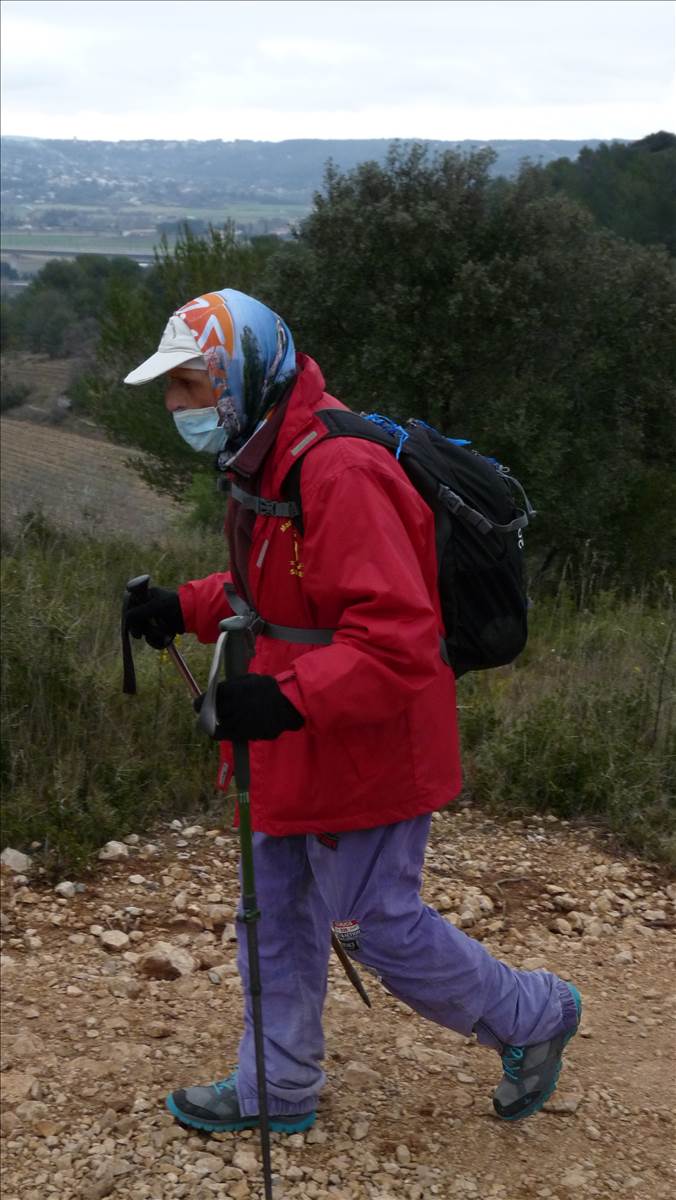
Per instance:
x=276, y=1124
x=536, y=1105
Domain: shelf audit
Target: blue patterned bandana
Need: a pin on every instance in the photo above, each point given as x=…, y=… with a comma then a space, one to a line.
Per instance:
x=249, y=353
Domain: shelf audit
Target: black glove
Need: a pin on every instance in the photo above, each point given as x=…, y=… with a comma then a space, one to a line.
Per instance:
x=252, y=708
x=158, y=619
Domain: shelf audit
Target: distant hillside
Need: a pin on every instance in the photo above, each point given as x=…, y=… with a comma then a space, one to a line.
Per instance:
x=203, y=174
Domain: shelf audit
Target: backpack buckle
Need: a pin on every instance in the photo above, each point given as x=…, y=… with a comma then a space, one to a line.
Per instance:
x=266, y=508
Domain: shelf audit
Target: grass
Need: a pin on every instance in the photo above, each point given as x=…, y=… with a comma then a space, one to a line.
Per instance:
x=582, y=726
x=585, y=724
x=81, y=763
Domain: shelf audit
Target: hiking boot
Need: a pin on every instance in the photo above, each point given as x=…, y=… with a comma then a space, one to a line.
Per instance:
x=215, y=1107
x=532, y=1072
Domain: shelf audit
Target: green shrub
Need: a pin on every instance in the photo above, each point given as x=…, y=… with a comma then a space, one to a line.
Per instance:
x=81, y=763
x=584, y=725
x=13, y=393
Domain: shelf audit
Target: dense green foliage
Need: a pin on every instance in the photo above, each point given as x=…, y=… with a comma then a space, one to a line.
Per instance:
x=506, y=316
x=629, y=187
x=81, y=763
x=583, y=726
x=59, y=312
x=500, y=310
x=586, y=725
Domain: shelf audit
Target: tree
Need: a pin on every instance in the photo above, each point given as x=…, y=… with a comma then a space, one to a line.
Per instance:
x=629, y=188
x=498, y=313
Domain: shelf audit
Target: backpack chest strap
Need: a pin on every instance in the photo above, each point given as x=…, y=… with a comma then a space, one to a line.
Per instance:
x=262, y=506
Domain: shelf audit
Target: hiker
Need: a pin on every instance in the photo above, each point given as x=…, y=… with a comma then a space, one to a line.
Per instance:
x=353, y=742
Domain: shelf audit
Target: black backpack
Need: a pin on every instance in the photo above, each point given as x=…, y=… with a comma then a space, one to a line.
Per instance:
x=479, y=533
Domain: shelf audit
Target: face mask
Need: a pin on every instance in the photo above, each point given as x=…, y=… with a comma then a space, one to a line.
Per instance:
x=200, y=429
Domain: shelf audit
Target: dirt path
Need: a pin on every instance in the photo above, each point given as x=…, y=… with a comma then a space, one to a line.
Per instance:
x=91, y=1045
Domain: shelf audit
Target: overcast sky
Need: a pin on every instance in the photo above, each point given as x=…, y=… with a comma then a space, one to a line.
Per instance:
x=273, y=69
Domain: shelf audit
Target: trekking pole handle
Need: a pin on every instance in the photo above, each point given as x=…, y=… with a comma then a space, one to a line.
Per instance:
x=138, y=589
x=230, y=627
x=136, y=592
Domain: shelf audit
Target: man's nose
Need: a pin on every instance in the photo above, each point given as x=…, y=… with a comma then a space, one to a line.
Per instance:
x=172, y=396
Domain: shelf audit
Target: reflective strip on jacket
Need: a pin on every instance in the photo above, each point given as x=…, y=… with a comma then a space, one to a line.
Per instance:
x=380, y=740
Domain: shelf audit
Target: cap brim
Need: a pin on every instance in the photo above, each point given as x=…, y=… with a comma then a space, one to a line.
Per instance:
x=158, y=364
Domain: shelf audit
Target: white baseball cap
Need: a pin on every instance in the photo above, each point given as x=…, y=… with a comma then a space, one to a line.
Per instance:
x=178, y=348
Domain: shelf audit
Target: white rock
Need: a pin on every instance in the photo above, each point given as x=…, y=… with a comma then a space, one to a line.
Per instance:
x=166, y=961
x=66, y=889
x=561, y=925
x=358, y=1076
x=114, y=939
x=15, y=860
x=16, y=1086
x=575, y=1179
x=113, y=852
x=593, y=927
x=137, y=880
x=566, y=1106
x=359, y=1131
x=246, y=1161
x=618, y=871
x=316, y=1137
x=193, y=831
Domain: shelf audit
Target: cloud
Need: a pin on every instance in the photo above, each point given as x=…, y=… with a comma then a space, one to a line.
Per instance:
x=339, y=68
x=316, y=52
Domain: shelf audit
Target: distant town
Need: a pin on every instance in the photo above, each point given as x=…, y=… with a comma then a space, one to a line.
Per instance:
x=68, y=197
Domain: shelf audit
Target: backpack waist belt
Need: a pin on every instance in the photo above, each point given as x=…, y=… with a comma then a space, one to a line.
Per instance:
x=287, y=633
x=281, y=633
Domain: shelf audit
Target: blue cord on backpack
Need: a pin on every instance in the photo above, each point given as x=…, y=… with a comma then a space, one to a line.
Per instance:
x=389, y=426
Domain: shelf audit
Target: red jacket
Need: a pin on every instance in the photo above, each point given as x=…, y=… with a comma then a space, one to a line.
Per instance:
x=380, y=741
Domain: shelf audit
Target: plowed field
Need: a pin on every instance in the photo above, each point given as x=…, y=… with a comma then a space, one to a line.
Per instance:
x=78, y=482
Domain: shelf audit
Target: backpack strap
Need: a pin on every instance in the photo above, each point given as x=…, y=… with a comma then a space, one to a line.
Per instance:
x=280, y=633
x=482, y=524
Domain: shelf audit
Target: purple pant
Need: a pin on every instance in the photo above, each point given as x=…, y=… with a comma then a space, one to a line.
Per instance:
x=368, y=888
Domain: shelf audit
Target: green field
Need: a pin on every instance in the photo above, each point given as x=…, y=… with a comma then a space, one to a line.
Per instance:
x=76, y=243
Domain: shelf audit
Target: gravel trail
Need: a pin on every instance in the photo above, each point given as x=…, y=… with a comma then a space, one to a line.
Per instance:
x=93, y=1038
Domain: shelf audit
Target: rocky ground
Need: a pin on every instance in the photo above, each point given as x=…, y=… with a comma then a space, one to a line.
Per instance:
x=99, y=1022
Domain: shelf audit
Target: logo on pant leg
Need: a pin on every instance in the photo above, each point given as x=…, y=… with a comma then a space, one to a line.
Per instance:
x=348, y=934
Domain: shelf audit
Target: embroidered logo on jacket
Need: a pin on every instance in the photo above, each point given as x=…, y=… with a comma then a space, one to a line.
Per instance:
x=296, y=567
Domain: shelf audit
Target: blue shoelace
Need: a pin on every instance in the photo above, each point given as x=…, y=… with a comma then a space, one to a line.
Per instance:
x=512, y=1059
x=223, y=1085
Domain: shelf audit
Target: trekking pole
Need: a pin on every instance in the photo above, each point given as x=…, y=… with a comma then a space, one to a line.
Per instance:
x=233, y=648
x=137, y=590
